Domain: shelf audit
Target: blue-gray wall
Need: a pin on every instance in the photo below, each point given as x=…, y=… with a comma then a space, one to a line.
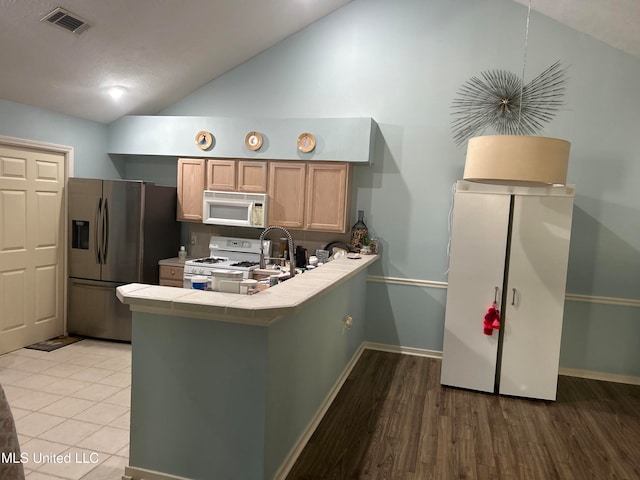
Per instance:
x=402, y=63
x=88, y=139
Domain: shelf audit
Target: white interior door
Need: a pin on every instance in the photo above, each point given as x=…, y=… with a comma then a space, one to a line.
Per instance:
x=536, y=289
x=476, y=268
x=31, y=246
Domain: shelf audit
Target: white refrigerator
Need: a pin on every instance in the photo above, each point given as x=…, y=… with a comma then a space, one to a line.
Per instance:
x=509, y=244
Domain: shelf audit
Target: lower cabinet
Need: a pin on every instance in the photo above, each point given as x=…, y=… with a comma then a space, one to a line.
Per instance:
x=171, y=276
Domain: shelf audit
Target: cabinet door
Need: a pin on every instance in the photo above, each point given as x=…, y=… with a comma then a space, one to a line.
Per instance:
x=476, y=268
x=286, y=194
x=191, y=181
x=327, y=197
x=171, y=276
x=221, y=175
x=252, y=176
x=535, y=296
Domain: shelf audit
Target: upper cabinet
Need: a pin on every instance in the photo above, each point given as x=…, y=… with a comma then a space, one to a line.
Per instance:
x=327, y=197
x=191, y=183
x=286, y=194
x=310, y=196
x=252, y=176
x=237, y=175
x=302, y=195
x=221, y=175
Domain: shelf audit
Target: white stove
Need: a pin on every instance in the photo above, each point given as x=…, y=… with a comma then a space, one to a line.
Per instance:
x=226, y=254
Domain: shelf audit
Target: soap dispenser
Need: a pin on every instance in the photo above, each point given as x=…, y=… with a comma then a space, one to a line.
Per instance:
x=182, y=253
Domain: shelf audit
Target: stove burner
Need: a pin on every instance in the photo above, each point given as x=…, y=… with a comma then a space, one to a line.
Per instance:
x=210, y=260
x=244, y=264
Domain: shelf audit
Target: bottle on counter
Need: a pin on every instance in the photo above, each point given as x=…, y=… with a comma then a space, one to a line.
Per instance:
x=182, y=253
x=359, y=232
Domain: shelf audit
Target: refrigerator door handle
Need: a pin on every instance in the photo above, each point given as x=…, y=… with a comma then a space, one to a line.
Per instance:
x=97, y=231
x=105, y=231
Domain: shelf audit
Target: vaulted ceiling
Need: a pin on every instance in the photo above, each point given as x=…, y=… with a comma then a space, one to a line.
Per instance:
x=161, y=50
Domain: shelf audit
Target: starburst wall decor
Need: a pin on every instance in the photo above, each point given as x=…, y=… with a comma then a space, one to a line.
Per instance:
x=499, y=100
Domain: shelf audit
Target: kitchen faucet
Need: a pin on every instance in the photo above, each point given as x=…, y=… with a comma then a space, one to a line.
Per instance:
x=292, y=257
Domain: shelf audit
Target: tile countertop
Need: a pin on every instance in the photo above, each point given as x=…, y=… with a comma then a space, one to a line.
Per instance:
x=263, y=309
x=173, y=262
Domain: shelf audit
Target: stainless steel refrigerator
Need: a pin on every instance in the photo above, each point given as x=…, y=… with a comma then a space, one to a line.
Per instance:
x=118, y=230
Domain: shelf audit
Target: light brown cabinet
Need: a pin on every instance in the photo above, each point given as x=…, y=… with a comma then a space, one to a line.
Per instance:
x=237, y=175
x=286, y=194
x=252, y=176
x=302, y=195
x=221, y=175
x=313, y=196
x=171, y=276
x=191, y=183
x=327, y=197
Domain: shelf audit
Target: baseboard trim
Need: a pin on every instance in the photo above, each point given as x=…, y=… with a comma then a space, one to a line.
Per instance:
x=137, y=473
x=295, y=452
x=420, y=352
x=606, y=377
x=569, y=372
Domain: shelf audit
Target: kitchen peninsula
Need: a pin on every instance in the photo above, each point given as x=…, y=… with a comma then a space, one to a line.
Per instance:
x=226, y=385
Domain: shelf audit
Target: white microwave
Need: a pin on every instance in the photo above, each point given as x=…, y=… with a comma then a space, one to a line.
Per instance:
x=234, y=208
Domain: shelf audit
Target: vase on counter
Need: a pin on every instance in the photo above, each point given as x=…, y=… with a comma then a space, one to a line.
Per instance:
x=359, y=232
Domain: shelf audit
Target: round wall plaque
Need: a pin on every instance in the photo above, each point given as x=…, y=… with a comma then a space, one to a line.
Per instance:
x=306, y=142
x=253, y=140
x=204, y=140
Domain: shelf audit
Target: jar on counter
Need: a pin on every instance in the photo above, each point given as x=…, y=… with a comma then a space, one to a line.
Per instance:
x=359, y=232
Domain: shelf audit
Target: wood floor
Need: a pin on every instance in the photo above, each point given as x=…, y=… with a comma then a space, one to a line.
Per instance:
x=392, y=419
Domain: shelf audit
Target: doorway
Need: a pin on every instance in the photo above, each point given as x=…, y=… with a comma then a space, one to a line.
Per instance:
x=32, y=242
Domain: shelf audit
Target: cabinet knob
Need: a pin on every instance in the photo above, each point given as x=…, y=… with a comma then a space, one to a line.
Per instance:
x=173, y=272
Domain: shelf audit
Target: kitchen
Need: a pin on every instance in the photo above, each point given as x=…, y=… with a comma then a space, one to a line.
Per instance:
x=406, y=192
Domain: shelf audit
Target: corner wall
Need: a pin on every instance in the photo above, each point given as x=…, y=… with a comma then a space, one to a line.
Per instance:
x=401, y=63
x=88, y=139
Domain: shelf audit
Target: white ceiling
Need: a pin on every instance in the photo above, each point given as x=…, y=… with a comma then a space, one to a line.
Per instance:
x=161, y=50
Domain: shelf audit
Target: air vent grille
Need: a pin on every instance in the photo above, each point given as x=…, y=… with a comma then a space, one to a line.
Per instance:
x=67, y=20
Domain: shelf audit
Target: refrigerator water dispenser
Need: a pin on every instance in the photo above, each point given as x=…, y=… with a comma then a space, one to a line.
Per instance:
x=80, y=234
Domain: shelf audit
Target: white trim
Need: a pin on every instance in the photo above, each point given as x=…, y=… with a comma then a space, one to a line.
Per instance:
x=406, y=281
x=606, y=377
x=569, y=372
x=625, y=302
x=46, y=146
x=137, y=473
x=571, y=297
x=420, y=352
x=68, y=153
x=297, y=448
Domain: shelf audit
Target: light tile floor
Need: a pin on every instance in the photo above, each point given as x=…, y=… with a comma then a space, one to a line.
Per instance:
x=74, y=400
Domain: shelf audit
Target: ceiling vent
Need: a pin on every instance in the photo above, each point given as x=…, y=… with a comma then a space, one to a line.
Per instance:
x=67, y=20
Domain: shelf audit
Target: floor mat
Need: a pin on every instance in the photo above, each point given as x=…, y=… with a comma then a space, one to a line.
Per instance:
x=54, y=343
